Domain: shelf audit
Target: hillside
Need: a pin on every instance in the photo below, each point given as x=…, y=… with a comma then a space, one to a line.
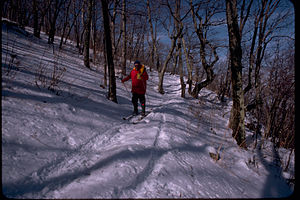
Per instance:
x=69, y=141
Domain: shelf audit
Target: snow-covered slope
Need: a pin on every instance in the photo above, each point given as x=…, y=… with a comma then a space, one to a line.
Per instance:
x=73, y=142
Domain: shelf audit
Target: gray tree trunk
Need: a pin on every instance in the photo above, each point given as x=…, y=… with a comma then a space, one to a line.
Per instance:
x=124, y=55
x=189, y=66
x=163, y=70
x=154, y=52
x=203, y=43
x=87, y=36
x=57, y=7
x=238, y=110
x=112, y=94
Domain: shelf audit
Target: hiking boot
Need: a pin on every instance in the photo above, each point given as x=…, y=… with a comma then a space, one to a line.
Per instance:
x=135, y=112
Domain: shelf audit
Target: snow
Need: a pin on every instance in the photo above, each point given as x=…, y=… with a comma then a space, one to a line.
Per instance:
x=73, y=143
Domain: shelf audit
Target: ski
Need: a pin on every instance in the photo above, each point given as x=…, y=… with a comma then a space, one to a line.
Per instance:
x=129, y=116
x=136, y=117
x=140, y=118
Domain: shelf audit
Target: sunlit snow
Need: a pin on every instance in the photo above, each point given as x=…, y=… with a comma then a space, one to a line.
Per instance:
x=73, y=142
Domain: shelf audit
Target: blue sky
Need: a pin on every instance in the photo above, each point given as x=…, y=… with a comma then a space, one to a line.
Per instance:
x=218, y=35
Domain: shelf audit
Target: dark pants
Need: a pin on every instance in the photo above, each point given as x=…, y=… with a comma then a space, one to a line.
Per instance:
x=135, y=98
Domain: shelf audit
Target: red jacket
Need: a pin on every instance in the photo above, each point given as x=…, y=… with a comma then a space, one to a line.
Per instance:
x=138, y=78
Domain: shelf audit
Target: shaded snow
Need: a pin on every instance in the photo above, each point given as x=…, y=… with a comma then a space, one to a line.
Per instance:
x=76, y=144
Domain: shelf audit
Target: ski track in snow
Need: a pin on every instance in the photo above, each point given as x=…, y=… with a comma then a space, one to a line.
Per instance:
x=154, y=152
x=90, y=152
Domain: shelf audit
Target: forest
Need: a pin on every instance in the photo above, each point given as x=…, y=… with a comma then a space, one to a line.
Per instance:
x=243, y=50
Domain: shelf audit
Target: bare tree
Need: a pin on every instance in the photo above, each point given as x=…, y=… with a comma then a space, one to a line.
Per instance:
x=189, y=63
x=179, y=28
x=154, y=52
x=39, y=12
x=238, y=111
x=175, y=35
x=52, y=19
x=124, y=48
x=111, y=70
x=266, y=21
x=161, y=74
x=17, y=11
x=87, y=35
x=224, y=86
x=279, y=100
x=201, y=29
x=113, y=16
x=35, y=18
x=74, y=16
x=262, y=33
x=66, y=16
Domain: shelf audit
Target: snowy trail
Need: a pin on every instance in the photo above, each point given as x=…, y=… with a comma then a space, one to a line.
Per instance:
x=82, y=169
x=76, y=144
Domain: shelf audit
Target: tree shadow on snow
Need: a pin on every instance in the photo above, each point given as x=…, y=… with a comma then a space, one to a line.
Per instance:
x=74, y=100
x=27, y=186
x=275, y=186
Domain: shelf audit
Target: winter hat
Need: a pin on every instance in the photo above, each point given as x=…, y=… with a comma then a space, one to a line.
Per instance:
x=137, y=62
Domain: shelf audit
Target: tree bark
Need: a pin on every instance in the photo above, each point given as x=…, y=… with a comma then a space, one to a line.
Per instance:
x=113, y=27
x=154, y=53
x=179, y=28
x=124, y=49
x=66, y=22
x=203, y=43
x=35, y=19
x=177, y=33
x=180, y=66
x=87, y=35
x=189, y=65
x=238, y=111
x=163, y=70
x=111, y=71
x=52, y=20
x=175, y=60
x=39, y=18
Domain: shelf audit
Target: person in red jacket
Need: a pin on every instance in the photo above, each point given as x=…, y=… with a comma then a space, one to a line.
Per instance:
x=138, y=76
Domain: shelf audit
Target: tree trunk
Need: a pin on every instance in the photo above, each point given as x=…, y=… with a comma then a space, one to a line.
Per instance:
x=177, y=33
x=74, y=22
x=52, y=20
x=225, y=86
x=189, y=66
x=111, y=71
x=179, y=28
x=87, y=35
x=113, y=27
x=105, y=63
x=66, y=22
x=35, y=19
x=154, y=53
x=180, y=66
x=203, y=43
x=94, y=34
x=124, y=49
x=76, y=30
x=163, y=70
x=175, y=60
x=39, y=18
x=238, y=111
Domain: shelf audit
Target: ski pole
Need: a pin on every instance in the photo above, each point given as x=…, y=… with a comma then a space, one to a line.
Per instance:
x=126, y=89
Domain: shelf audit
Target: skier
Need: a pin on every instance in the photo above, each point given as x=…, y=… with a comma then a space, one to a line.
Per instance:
x=138, y=76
